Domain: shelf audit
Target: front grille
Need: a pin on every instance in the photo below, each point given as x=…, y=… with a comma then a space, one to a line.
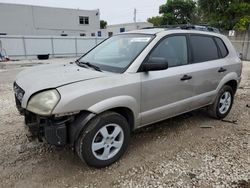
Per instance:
x=19, y=93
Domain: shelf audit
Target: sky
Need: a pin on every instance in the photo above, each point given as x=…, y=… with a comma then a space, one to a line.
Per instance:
x=113, y=11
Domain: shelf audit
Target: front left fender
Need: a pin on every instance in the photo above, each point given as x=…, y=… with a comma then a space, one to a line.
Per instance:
x=114, y=102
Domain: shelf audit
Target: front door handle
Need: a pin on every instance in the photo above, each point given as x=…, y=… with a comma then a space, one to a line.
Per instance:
x=222, y=69
x=186, y=77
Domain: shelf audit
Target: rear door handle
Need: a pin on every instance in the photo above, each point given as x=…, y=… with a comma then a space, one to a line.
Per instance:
x=222, y=70
x=186, y=77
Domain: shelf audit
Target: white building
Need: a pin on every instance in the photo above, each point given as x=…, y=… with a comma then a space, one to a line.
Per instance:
x=37, y=20
x=119, y=28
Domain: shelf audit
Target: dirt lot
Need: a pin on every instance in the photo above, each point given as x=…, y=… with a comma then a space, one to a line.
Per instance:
x=191, y=150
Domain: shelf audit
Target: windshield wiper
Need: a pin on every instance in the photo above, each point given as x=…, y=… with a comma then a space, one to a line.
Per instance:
x=87, y=64
x=79, y=64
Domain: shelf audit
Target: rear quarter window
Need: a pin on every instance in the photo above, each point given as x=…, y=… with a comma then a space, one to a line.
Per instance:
x=222, y=47
x=203, y=48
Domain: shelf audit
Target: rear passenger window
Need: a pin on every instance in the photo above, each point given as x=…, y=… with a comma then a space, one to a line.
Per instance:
x=173, y=49
x=222, y=47
x=203, y=48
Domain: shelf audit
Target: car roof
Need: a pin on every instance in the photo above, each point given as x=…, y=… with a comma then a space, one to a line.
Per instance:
x=161, y=31
x=146, y=31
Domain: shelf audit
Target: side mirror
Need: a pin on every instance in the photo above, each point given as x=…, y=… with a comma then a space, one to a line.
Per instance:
x=154, y=64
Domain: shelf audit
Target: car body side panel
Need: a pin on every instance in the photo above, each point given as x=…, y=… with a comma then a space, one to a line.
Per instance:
x=114, y=102
x=163, y=88
x=208, y=79
x=205, y=83
x=174, y=109
x=229, y=77
x=119, y=90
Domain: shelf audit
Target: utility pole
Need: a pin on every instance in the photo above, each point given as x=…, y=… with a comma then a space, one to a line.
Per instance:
x=135, y=12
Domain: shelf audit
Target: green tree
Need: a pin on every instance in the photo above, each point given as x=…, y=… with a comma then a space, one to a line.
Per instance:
x=156, y=21
x=103, y=24
x=178, y=12
x=225, y=14
x=243, y=24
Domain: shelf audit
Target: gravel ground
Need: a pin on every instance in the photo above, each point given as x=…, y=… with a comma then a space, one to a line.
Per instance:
x=191, y=150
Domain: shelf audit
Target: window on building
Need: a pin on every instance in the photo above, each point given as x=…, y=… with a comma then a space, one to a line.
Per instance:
x=122, y=30
x=203, y=48
x=92, y=34
x=3, y=33
x=83, y=20
x=110, y=34
x=82, y=34
x=99, y=33
x=64, y=35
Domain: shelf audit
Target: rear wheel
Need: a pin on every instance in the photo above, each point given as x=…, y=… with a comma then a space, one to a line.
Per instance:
x=106, y=141
x=223, y=103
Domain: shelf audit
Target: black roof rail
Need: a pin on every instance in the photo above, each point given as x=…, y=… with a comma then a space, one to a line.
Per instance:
x=199, y=27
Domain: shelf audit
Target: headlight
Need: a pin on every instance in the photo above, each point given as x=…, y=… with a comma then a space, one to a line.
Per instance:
x=43, y=103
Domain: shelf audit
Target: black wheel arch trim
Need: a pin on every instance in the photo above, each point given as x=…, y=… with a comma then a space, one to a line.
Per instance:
x=84, y=117
x=76, y=127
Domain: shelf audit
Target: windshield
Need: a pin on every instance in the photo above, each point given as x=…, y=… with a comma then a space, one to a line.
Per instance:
x=117, y=53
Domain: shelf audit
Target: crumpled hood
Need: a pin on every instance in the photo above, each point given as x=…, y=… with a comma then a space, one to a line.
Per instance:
x=54, y=75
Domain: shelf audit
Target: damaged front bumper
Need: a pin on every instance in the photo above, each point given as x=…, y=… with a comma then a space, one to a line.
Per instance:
x=57, y=130
x=53, y=130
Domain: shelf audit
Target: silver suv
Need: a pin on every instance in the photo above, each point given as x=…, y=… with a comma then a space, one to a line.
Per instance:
x=128, y=81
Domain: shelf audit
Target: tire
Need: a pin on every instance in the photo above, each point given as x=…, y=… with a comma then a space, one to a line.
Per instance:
x=216, y=109
x=104, y=140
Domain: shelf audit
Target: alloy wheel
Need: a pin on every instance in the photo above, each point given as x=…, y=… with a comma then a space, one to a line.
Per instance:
x=107, y=142
x=225, y=102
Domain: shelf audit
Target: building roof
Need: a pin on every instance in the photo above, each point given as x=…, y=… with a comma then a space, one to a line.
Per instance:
x=43, y=6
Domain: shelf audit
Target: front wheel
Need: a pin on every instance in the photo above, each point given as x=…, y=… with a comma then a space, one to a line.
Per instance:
x=106, y=141
x=223, y=103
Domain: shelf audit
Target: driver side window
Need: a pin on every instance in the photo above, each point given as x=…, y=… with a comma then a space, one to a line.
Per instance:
x=173, y=49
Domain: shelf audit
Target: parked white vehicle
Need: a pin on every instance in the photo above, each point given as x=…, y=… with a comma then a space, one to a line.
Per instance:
x=128, y=81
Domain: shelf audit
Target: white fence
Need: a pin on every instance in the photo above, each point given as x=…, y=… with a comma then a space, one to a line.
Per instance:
x=242, y=47
x=241, y=42
x=30, y=46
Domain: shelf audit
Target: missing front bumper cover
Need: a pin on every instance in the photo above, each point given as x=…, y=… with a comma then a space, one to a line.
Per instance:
x=54, y=130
